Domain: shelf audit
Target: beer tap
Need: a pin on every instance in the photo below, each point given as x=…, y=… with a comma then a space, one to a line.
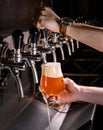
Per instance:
x=32, y=55
x=11, y=62
x=44, y=47
x=66, y=41
x=19, y=64
x=52, y=44
x=34, y=35
x=44, y=42
x=17, y=37
x=57, y=43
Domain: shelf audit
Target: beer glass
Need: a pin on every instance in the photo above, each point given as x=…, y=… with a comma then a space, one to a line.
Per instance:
x=51, y=82
x=51, y=79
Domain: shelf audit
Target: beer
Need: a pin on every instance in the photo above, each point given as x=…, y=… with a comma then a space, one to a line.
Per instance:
x=51, y=79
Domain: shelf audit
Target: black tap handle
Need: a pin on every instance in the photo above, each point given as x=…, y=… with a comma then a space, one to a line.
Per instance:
x=34, y=34
x=17, y=36
x=43, y=33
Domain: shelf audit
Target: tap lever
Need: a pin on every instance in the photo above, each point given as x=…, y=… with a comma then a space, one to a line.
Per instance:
x=43, y=38
x=34, y=34
x=17, y=36
x=43, y=33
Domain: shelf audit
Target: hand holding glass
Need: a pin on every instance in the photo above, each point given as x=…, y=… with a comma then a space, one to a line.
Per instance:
x=51, y=79
x=51, y=83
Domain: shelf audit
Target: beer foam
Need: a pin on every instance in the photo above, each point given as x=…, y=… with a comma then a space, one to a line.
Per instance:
x=52, y=69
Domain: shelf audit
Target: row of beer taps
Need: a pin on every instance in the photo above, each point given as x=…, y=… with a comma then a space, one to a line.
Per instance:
x=40, y=43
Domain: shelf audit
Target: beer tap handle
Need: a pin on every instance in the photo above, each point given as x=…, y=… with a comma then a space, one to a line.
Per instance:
x=52, y=43
x=34, y=35
x=17, y=36
x=43, y=34
x=54, y=37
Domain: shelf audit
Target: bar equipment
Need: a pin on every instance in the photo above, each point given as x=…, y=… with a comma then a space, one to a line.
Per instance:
x=30, y=54
x=49, y=74
x=11, y=63
x=43, y=46
x=56, y=42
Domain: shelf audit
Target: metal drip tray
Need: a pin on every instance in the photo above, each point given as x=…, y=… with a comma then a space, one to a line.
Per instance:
x=35, y=117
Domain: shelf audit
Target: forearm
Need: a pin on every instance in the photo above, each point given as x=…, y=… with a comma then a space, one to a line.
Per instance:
x=91, y=95
x=87, y=34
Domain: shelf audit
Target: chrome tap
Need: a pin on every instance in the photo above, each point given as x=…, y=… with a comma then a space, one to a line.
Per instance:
x=43, y=47
x=66, y=41
x=43, y=38
x=34, y=35
x=19, y=64
x=17, y=37
x=52, y=43
x=32, y=55
x=9, y=63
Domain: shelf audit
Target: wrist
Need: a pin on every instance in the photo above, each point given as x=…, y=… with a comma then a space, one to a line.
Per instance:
x=64, y=23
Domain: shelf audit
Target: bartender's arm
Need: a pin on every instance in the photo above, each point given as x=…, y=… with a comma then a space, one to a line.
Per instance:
x=86, y=34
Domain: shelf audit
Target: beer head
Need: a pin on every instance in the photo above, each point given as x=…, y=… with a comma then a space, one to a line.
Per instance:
x=52, y=69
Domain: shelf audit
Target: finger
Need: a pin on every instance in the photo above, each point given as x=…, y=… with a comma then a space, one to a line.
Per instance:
x=68, y=81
